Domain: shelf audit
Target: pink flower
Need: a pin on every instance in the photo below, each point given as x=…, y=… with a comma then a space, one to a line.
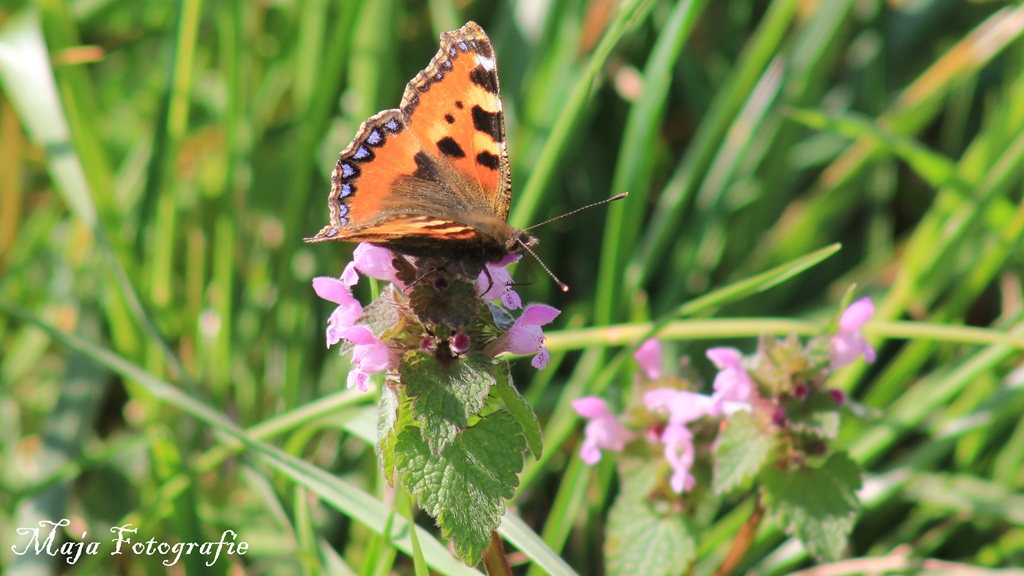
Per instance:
x=604, y=431
x=369, y=356
x=348, y=311
x=525, y=336
x=648, y=356
x=683, y=406
x=495, y=283
x=373, y=261
x=680, y=454
x=848, y=343
x=734, y=390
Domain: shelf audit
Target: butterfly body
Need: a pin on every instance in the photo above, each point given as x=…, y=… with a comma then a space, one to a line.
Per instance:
x=432, y=177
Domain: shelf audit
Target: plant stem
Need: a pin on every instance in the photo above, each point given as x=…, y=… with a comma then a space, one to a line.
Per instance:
x=740, y=544
x=495, y=561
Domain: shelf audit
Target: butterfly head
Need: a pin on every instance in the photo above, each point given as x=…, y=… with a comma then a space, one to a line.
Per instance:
x=519, y=241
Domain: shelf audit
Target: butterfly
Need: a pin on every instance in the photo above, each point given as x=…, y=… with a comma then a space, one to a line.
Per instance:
x=432, y=178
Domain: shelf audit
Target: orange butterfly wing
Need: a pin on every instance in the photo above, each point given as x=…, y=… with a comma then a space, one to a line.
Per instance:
x=435, y=171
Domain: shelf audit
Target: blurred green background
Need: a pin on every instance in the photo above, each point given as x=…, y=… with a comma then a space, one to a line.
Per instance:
x=162, y=356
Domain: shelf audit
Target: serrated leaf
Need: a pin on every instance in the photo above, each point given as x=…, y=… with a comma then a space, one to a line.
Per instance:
x=445, y=394
x=640, y=540
x=382, y=315
x=740, y=451
x=780, y=363
x=465, y=486
x=817, y=505
x=387, y=415
x=454, y=306
x=639, y=477
x=516, y=405
x=394, y=414
x=816, y=416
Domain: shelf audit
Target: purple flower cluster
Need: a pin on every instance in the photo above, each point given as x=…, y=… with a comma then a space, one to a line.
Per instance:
x=735, y=390
x=371, y=354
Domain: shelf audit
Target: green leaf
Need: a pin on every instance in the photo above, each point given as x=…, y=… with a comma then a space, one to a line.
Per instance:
x=755, y=284
x=642, y=540
x=816, y=505
x=520, y=410
x=387, y=430
x=817, y=416
x=464, y=487
x=741, y=450
x=930, y=165
x=360, y=506
x=639, y=477
x=455, y=305
x=502, y=318
x=446, y=394
x=780, y=363
x=382, y=315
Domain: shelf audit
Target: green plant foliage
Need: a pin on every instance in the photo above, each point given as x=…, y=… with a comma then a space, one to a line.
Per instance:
x=465, y=485
x=741, y=450
x=162, y=355
x=644, y=535
x=816, y=503
x=513, y=401
x=644, y=540
x=445, y=396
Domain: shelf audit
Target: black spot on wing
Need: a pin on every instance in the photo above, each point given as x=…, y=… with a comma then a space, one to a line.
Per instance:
x=489, y=123
x=486, y=79
x=426, y=168
x=487, y=160
x=458, y=104
x=449, y=118
x=449, y=147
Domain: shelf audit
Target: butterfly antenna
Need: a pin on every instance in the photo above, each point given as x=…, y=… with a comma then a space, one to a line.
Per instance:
x=561, y=285
x=580, y=209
